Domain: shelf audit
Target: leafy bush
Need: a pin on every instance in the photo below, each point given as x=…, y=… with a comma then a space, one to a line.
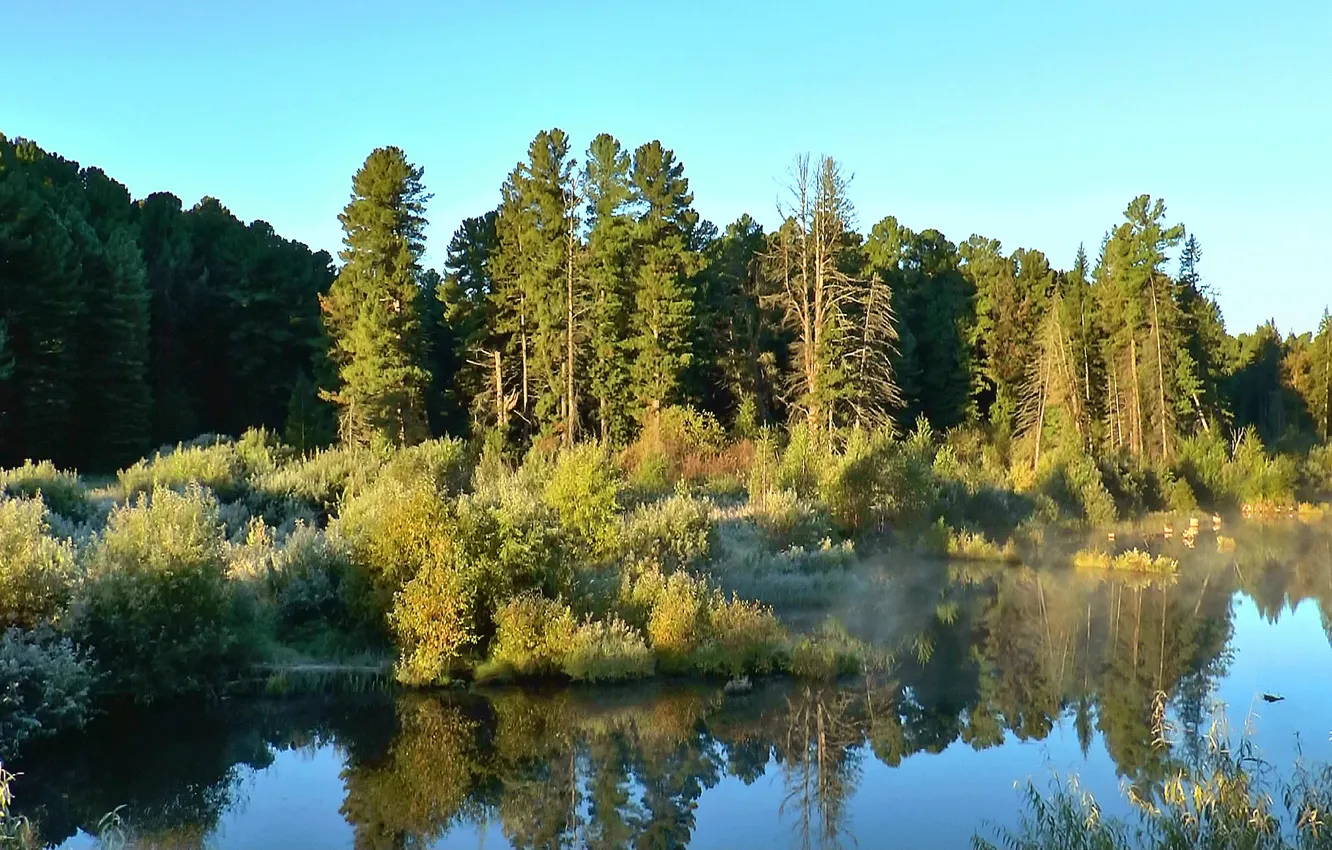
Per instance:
x=315, y=587
x=676, y=623
x=1073, y=483
x=742, y=637
x=157, y=611
x=488, y=549
x=787, y=520
x=607, y=651
x=213, y=463
x=828, y=654
x=675, y=532
x=322, y=479
x=45, y=686
x=582, y=489
x=1259, y=479
x=532, y=635
x=37, y=572
x=63, y=492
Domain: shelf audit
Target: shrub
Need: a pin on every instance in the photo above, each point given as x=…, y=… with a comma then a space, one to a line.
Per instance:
x=607, y=651
x=36, y=571
x=787, y=520
x=322, y=479
x=1259, y=479
x=828, y=654
x=157, y=612
x=742, y=637
x=674, y=532
x=45, y=685
x=315, y=586
x=63, y=492
x=1133, y=560
x=213, y=463
x=970, y=546
x=582, y=489
x=391, y=528
x=1073, y=482
x=676, y=624
x=532, y=635
x=434, y=618
x=878, y=480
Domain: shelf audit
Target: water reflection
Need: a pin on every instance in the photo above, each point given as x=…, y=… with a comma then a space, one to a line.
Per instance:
x=983, y=655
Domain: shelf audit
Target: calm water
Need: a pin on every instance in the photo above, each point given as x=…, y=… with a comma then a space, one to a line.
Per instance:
x=999, y=675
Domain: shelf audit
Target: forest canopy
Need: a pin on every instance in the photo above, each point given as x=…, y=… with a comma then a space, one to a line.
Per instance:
x=593, y=297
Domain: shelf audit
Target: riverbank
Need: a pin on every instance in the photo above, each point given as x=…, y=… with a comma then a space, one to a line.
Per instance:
x=682, y=555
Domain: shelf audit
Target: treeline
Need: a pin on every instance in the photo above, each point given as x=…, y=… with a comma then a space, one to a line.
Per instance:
x=593, y=297
x=128, y=324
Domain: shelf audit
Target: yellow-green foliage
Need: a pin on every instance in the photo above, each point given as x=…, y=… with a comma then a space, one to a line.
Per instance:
x=677, y=531
x=605, y=651
x=323, y=478
x=742, y=637
x=788, y=520
x=1225, y=544
x=677, y=621
x=391, y=526
x=158, y=612
x=1242, y=473
x=214, y=465
x=970, y=546
x=583, y=488
x=533, y=635
x=828, y=654
x=63, y=492
x=36, y=571
x=1133, y=560
x=1073, y=482
x=434, y=618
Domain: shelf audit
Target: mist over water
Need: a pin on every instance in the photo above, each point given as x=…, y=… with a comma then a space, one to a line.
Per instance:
x=993, y=674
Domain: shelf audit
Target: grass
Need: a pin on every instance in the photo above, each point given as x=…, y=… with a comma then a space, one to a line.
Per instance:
x=1226, y=797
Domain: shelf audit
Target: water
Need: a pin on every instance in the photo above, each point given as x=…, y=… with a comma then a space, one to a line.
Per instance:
x=1000, y=675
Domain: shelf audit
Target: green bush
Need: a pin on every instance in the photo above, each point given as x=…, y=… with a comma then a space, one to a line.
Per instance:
x=607, y=651
x=532, y=635
x=322, y=479
x=45, y=687
x=435, y=618
x=63, y=492
x=1073, y=483
x=787, y=520
x=1260, y=479
x=828, y=654
x=157, y=611
x=675, y=532
x=742, y=637
x=316, y=588
x=37, y=572
x=212, y=463
x=583, y=488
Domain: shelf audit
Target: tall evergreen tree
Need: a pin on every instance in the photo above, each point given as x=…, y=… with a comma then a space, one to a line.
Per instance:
x=663, y=317
x=373, y=310
x=609, y=272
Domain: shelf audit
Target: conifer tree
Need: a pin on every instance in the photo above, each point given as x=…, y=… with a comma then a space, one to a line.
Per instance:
x=609, y=272
x=1322, y=379
x=373, y=310
x=663, y=317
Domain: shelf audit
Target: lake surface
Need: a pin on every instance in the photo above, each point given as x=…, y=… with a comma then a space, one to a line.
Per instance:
x=999, y=675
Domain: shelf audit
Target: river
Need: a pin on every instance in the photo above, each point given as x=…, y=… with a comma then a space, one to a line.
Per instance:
x=994, y=676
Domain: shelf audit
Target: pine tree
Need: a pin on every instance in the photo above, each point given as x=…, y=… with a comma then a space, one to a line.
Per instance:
x=373, y=310
x=663, y=316
x=609, y=273
x=40, y=281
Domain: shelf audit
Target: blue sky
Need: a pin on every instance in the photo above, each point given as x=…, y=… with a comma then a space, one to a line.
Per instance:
x=1033, y=123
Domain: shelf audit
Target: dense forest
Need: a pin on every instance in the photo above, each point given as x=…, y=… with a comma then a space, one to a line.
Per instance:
x=594, y=297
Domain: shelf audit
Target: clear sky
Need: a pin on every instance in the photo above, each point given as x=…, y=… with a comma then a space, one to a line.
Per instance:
x=1033, y=123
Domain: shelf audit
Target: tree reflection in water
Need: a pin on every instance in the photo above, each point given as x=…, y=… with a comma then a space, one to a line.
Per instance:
x=984, y=654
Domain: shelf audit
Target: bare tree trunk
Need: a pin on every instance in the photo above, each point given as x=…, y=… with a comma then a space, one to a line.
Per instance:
x=570, y=400
x=1136, y=435
x=501, y=410
x=1160, y=373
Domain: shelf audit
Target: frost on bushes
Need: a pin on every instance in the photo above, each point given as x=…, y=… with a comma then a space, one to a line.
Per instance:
x=45, y=684
x=607, y=651
x=37, y=572
x=63, y=492
x=157, y=611
x=675, y=532
x=208, y=462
